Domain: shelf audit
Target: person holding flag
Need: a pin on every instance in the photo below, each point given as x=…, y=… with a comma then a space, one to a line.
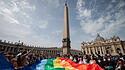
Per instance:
x=22, y=58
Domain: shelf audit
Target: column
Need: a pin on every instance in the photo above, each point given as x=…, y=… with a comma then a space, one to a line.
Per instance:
x=96, y=50
x=93, y=50
x=114, y=50
x=89, y=50
x=86, y=50
x=9, y=49
x=103, y=50
x=12, y=49
x=121, y=48
x=100, y=51
x=2, y=47
x=5, y=48
x=83, y=50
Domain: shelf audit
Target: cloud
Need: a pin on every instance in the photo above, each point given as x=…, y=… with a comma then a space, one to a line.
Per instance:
x=43, y=24
x=11, y=20
x=12, y=27
x=113, y=0
x=86, y=13
x=10, y=10
x=26, y=5
x=91, y=27
x=121, y=4
x=57, y=32
x=104, y=19
x=11, y=24
x=30, y=21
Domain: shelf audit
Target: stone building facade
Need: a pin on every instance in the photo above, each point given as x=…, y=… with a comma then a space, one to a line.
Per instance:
x=102, y=47
x=14, y=48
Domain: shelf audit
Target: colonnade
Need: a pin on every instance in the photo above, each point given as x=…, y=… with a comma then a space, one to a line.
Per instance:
x=42, y=51
x=8, y=49
x=101, y=50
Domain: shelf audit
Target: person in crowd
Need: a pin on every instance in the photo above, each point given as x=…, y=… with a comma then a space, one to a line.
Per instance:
x=85, y=59
x=109, y=64
x=75, y=60
x=100, y=62
x=120, y=65
x=71, y=57
x=92, y=60
x=22, y=59
x=80, y=60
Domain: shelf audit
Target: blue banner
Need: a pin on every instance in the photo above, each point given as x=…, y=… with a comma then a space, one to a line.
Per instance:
x=4, y=64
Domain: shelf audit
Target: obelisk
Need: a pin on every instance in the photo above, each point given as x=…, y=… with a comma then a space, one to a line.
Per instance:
x=66, y=35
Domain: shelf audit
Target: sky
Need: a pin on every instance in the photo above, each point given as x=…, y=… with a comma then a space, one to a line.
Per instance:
x=40, y=22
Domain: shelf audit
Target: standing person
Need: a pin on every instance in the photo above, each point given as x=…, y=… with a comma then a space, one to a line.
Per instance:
x=21, y=60
x=120, y=65
x=80, y=60
x=70, y=57
x=84, y=59
x=108, y=64
x=100, y=62
x=92, y=60
x=75, y=60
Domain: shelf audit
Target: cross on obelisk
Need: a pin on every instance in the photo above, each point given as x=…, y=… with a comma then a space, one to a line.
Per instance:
x=66, y=35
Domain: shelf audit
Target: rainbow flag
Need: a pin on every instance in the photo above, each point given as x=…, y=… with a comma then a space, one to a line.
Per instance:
x=61, y=64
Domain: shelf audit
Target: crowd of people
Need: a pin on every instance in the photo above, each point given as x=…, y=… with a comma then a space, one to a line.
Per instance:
x=22, y=59
x=106, y=62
